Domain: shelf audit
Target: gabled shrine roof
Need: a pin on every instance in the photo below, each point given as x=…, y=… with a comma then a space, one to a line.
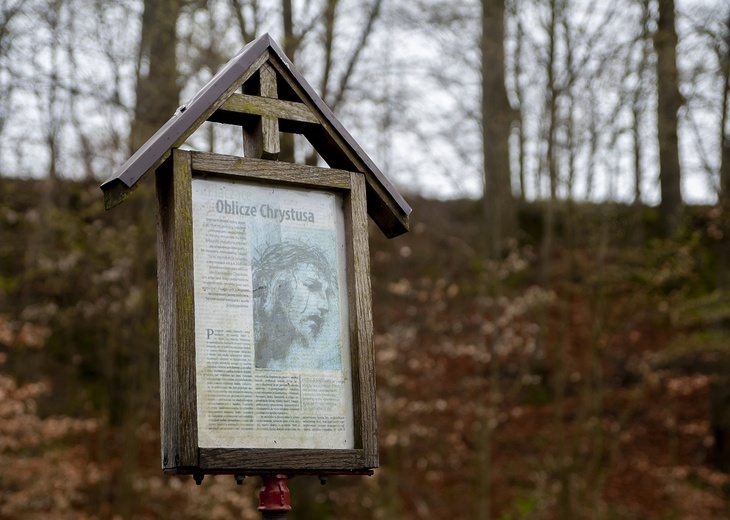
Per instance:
x=326, y=134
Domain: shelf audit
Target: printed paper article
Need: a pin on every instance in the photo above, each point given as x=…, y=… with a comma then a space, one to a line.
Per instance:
x=271, y=324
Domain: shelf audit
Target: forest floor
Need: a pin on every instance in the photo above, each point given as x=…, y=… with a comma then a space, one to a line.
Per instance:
x=581, y=387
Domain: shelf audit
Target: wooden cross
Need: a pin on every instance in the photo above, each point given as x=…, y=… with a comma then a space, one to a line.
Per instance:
x=262, y=141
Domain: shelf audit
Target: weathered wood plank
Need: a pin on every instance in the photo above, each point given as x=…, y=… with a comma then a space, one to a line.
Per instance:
x=170, y=437
x=271, y=145
x=297, y=174
x=239, y=104
x=177, y=340
x=361, y=325
x=262, y=140
x=184, y=299
x=276, y=459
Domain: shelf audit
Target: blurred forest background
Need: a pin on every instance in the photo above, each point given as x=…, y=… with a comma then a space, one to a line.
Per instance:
x=552, y=336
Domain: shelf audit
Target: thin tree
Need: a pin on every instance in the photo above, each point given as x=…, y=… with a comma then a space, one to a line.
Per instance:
x=638, y=104
x=669, y=102
x=497, y=116
x=724, y=139
x=720, y=390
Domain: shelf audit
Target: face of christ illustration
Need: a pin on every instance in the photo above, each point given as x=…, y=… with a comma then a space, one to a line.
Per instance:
x=294, y=292
x=309, y=301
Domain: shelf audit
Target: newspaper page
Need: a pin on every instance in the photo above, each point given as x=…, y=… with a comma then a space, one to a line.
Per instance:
x=271, y=323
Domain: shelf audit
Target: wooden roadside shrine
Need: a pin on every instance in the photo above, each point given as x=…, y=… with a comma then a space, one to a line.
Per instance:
x=236, y=396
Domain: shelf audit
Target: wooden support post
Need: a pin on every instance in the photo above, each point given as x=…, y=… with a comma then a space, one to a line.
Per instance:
x=262, y=141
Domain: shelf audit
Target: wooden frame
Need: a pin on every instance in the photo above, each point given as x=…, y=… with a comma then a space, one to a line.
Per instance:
x=181, y=452
x=261, y=91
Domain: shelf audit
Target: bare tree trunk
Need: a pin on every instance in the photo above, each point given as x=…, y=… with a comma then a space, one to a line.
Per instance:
x=520, y=123
x=724, y=195
x=497, y=115
x=720, y=390
x=637, y=233
x=670, y=101
x=551, y=137
x=158, y=94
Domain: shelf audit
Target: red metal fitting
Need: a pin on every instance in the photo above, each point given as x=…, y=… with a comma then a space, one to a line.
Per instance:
x=274, y=494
